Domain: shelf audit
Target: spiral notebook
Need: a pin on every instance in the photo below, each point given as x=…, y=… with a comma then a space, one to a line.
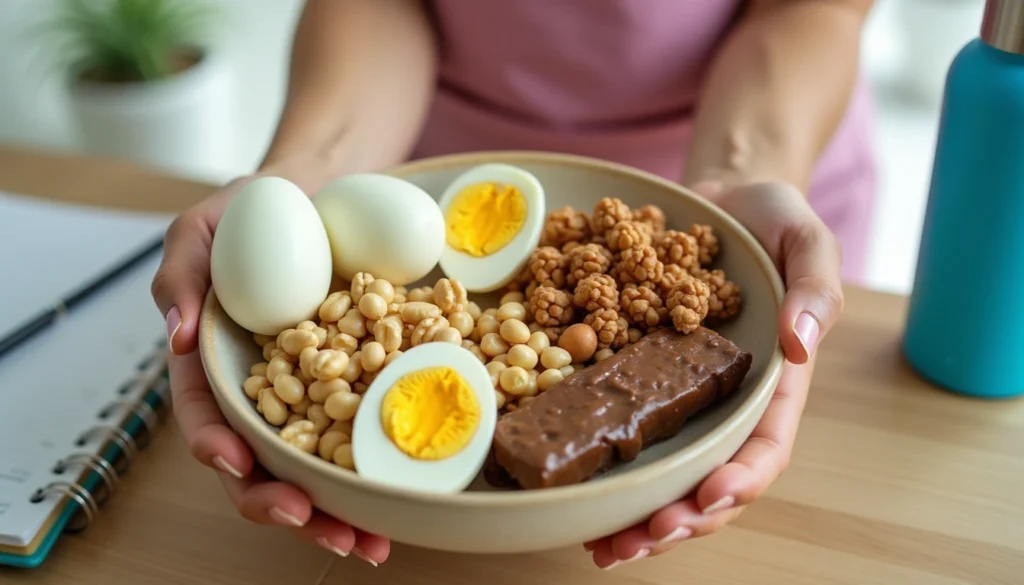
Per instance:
x=83, y=387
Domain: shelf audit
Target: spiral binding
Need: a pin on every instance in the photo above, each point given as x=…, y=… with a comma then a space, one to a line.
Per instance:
x=151, y=376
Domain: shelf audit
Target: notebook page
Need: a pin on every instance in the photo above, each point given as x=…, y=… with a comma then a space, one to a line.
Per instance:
x=54, y=385
x=49, y=249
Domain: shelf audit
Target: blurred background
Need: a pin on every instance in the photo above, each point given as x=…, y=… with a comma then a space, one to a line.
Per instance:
x=214, y=123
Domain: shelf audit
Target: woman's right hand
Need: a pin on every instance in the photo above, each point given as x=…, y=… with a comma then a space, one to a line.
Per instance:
x=178, y=288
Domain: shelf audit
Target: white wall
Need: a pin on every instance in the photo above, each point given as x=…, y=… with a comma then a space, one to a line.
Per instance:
x=255, y=38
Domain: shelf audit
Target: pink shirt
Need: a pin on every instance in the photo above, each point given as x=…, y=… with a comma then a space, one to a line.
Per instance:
x=613, y=79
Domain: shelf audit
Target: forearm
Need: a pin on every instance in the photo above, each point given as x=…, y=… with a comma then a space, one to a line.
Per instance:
x=361, y=80
x=777, y=91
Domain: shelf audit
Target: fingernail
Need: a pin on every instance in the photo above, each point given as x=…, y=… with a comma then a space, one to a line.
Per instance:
x=173, y=324
x=722, y=504
x=360, y=554
x=224, y=466
x=282, y=517
x=806, y=329
x=323, y=542
x=677, y=535
x=639, y=555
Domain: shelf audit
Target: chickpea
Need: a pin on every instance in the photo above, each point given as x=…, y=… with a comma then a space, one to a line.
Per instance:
x=273, y=409
x=383, y=289
x=253, y=385
x=318, y=415
x=495, y=369
x=491, y=311
x=360, y=388
x=449, y=335
x=567, y=371
x=353, y=323
x=514, y=331
x=462, y=321
x=499, y=398
x=345, y=342
x=294, y=417
x=344, y=426
x=335, y=306
x=549, y=378
x=479, y=353
x=373, y=306
x=329, y=364
x=511, y=311
x=343, y=456
x=603, y=354
x=306, y=380
x=367, y=378
x=261, y=339
x=342, y=405
x=514, y=380
x=392, y=357
x=474, y=310
x=258, y=369
x=301, y=434
x=406, y=344
x=277, y=366
x=525, y=400
x=531, y=386
x=555, y=357
x=280, y=336
x=523, y=356
x=373, y=356
x=538, y=342
x=501, y=359
x=320, y=391
x=303, y=406
x=332, y=330
x=420, y=295
x=289, y=389
x=306, y=360
x=415, y=311
x=512, y=297
x=268, y=350
x=354, y=368
x=492, y=344
x=535, y=327
x=330, y=441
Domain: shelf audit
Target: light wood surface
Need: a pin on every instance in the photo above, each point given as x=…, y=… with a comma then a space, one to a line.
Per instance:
x=892, y=481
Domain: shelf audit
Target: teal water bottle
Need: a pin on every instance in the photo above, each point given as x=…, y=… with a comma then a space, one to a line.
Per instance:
x=965, y=325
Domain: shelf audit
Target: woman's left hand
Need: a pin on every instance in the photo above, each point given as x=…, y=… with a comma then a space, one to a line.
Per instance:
x=808, y=257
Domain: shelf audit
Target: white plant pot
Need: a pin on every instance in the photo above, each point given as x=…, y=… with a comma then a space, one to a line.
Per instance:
x=181, y=124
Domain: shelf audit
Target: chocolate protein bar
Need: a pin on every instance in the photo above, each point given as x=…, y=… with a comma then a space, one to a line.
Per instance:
x=609, y=412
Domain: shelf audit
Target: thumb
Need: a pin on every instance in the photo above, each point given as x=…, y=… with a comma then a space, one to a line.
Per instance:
x=183, y=278
x=811, y=259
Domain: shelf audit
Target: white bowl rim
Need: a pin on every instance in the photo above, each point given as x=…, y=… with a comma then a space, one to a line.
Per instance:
x=623, y=482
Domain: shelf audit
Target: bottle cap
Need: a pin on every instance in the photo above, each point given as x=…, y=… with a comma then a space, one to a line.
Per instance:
x=1002, y=26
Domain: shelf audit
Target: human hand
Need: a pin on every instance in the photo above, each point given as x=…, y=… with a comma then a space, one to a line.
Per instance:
x=179, y=287
x=808, y=256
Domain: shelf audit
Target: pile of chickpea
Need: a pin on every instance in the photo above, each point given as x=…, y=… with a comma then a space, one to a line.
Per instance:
x=312, y=377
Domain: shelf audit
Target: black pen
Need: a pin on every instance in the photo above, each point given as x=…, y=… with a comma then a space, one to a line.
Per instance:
x=50, y=316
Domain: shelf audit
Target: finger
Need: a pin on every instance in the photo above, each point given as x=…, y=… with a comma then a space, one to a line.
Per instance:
x=814, y=294
x=371, y=548
x=207, y=434
x=632, y=543
x=705, y=526
x=666, y=523
x=765, y=454
x=263, y=501
x=183, y=278
x=329, y=533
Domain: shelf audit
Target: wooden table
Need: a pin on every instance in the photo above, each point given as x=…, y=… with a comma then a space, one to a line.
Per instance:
x=892, y=481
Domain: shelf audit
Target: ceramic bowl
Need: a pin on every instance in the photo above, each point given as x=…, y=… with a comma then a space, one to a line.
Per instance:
x=487, y=520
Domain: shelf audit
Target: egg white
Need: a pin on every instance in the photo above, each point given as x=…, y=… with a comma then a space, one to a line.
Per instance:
x=378, y=459
x=489, y=273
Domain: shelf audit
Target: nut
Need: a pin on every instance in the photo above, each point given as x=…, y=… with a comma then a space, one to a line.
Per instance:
x=373, y=306
x=388, y=333
x=427, y=329
x=678, y=248
x=328, y=364
x=450, y=295
x=353, y=323
x=318, y=416
x=565, y=225
x=383, y=289
x=673, y=274
x=639, y=265
x=608, y=212
x=652, y=216
x=627, y=234
x=419, y=295
x=547, y=265
x=359, y=283
x=642, y=306
x=611, y=329
x=584, y=260
x=463, y=322
x=302, y=435
x=345, y=343
x=415, y=311
x=707, y=242
x=724, y=296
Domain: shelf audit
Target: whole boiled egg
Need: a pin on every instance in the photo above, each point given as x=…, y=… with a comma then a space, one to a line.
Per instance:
x=427, y=420
x=494, y=215
x=270, y=261
x=382, y=225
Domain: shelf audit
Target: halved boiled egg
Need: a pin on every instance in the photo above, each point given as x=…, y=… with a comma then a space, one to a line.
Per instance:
x=427, y=420
x=494, y=215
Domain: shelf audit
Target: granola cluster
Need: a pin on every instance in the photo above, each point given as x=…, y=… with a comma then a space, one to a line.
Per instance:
x=623, y=273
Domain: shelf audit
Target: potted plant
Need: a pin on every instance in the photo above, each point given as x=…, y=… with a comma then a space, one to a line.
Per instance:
x=142, y=82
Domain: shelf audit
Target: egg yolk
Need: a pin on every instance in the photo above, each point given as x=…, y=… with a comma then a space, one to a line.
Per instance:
x=430, y=414
x=484, y=217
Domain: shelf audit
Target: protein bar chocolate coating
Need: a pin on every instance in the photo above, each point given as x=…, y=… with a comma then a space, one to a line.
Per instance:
x=609, y=412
